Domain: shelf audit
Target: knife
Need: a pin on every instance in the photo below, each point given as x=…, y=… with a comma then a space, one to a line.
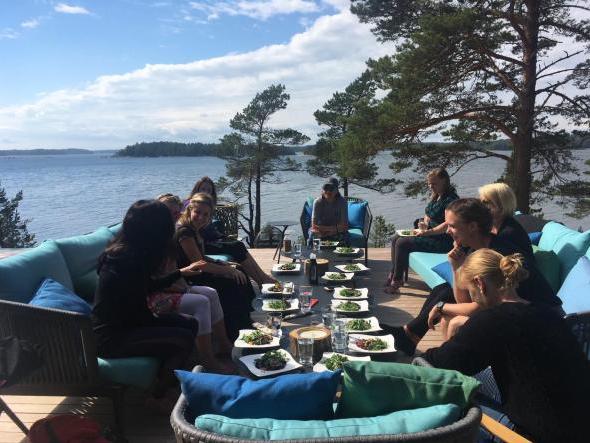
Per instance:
x=297, y=315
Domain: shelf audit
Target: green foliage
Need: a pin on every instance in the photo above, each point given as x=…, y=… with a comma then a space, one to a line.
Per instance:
x=342, y=154
x=13, y=229
x=253, y=153
x=169, y=149
x=474, y=70
x=381, y=232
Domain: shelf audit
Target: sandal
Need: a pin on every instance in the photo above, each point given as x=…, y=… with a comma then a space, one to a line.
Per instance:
x=389, y=279
x=394, y=286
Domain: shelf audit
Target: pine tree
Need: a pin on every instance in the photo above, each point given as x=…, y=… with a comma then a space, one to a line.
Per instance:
x=13, y=230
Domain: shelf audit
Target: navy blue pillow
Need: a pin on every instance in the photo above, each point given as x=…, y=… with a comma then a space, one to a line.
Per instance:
x=535, y=237
x=445, y=271
x=52, y=294
x=292, y=396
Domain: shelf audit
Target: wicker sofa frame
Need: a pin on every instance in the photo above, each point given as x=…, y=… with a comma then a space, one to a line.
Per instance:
x=464, y=430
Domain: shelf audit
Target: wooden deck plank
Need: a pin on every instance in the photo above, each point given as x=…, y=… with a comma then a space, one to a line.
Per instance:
x=145, y=427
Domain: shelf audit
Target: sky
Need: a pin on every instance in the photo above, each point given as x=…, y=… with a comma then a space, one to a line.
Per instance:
x=107, y=73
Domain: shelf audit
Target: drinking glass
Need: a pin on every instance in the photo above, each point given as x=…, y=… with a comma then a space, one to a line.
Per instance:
x=274, y=323
x=316, y=245
x=296, y=254
x=339, y=336
x=305, y=293
x=305, y=350
x=328, y=317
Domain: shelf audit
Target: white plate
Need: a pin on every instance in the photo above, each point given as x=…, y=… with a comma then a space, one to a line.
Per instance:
x=239, y=343
x=354, y=251
x=287, y=289
x=321, y=367
x=249, y=362
x=327, y=244
x=293, y=301
x=349, y=276
x=360, y=266
x=277, y=269
x=375, y=327
x=364, y=304
x=387, y=338
x=364, y=294
x=400, y=232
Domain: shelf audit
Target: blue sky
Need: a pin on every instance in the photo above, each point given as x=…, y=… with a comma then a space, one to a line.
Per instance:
x=102, y=74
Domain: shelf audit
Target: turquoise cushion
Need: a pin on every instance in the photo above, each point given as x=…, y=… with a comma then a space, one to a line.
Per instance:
x=575, y=291
x=376, y=388
x=569, y=245
x=445, y=271
x=356, y=214
x=132, y=371
x=422, y=264
x=400, y=422
x=549, y=265
x=356, y=238
x=115, y=229
x=52, y=294
x=293, y=396
x=222, y=257
x=21, y=275
x=81, y=254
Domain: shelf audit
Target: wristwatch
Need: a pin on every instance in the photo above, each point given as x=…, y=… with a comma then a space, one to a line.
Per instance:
x=439, y=306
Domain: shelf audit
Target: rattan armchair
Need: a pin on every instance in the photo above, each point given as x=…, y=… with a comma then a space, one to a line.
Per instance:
x=464, y=430
x=69, y=353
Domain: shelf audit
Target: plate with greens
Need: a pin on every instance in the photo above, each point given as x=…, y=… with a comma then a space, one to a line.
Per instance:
x=350, y=307
x=343, y=293
x=371, y=344
x=329, y=244
x=270, y=363
x=286, y=268
x=255, y=339
x=279, y=305
x=345, y=250
x=332, y=361
x=278, y=288
x=338, y=276
x=352, y=267
x=364, y=325
x=406, y=232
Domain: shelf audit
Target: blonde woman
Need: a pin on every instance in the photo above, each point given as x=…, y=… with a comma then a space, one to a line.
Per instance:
x=542, y=375
x=501, y=201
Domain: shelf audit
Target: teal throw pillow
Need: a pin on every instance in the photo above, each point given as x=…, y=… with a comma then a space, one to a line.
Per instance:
x=445, y=271
x=549, y=266
x=52, y=294
x=375, y=388
x=575, y=291
x=292, y=396
x=400, y=422
x=356, y=214
x=568, y=244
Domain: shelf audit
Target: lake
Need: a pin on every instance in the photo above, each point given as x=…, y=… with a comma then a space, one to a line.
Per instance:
x=66, y=195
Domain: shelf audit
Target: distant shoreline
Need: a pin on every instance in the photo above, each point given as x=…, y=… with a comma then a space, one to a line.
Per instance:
x=66, y=151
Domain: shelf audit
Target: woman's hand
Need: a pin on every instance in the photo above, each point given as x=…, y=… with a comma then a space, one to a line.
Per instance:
x=456, y=256
x=423, y=224
x=420, y=232
x=193, y=269
x=433, y=316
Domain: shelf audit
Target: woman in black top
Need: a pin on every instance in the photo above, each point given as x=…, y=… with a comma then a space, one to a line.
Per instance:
x=542, y=375
x=431, y=236
x=123, y=324
x=501, y=201
x=232, y=284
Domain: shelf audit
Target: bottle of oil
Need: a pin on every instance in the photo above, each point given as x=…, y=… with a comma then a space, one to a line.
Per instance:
x=313, y=269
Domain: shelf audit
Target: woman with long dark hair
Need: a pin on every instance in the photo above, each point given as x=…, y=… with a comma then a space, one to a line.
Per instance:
x=431, y=233
x=123, y=323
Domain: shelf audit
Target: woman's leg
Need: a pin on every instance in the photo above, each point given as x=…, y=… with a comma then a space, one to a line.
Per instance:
x=254, y=271
x=217, y=323
x=394, y=240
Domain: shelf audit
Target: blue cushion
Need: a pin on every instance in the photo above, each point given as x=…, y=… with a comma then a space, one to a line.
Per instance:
x=115, y=229
x=293, y=396
x=356, y=238
x=422, y=264
x=445, y=271
x=569, y=245
x=222, y=257
x=535, y=237
x=575, y=291
x=21, y=275
x=52, y=294
x=132, y=371
x=81, y=255
x=400, y=422
x=356, y=214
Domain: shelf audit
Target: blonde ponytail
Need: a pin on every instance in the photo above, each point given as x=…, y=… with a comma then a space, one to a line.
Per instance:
x=512, y=268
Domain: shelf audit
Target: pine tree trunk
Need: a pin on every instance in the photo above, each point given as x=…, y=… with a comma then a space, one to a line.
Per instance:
x=345, y=186
x=258, y=198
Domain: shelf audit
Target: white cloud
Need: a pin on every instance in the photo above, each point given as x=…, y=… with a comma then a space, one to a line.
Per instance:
x=69, y=9
x=30, y=24
x=260, y=10
x=8, y=34
x=195, y=101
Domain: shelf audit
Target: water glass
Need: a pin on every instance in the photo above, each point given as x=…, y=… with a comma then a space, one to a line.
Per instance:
x=296, y=254
x=339, y=336
x=274, y=323
x=305, y=350
x=305, y=293
x=316, y=245
x=328, y=317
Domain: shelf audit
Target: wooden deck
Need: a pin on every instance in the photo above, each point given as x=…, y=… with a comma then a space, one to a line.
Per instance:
x=144, y=426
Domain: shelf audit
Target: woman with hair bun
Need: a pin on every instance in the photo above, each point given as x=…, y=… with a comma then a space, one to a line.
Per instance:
x=541, y=372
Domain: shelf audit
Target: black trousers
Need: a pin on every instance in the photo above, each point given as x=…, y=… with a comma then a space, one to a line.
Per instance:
x=419, y=325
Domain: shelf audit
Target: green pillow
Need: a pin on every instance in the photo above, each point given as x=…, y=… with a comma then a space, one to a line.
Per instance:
x=400, y=422
x=548, y=265
x=374, y=388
